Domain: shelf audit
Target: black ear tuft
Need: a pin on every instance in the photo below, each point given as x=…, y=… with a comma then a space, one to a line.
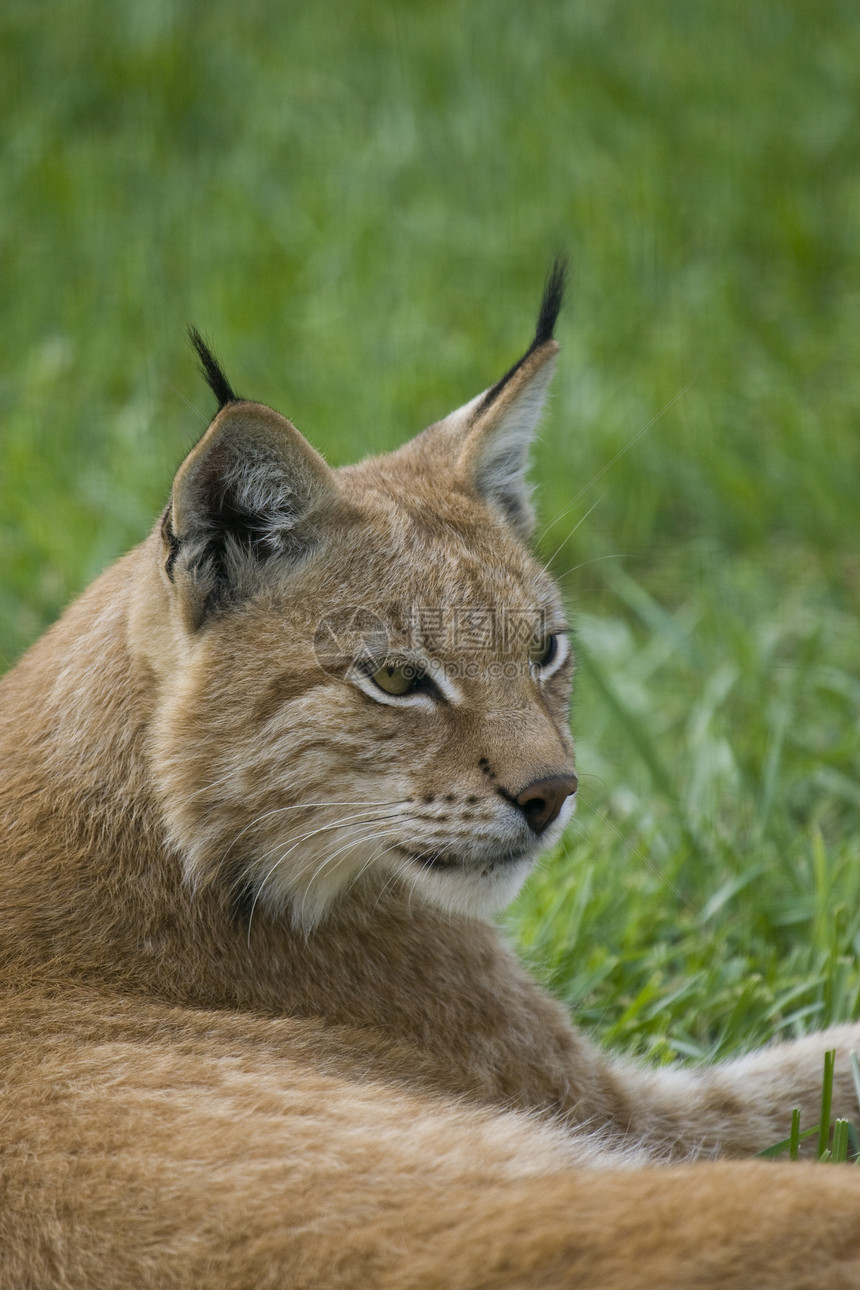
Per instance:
x=553, y=298
x=550, y=307
x=211, y=370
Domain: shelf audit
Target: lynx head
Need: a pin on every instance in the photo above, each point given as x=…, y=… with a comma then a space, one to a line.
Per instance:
x=368, y=674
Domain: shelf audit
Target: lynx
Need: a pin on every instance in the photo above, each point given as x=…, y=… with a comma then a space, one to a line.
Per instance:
x=261, y=788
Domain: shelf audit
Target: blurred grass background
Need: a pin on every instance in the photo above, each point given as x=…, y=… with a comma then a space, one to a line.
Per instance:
x=358, y=201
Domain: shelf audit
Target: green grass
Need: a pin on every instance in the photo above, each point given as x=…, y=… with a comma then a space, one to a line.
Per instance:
x=357, y=201
x=838, y=1142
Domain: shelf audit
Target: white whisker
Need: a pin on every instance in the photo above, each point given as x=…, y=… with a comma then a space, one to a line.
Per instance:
x=354, y=821
x=569, y=535
x=597, y=559
x=309, y=806
x=348, y=846
x=630, y=443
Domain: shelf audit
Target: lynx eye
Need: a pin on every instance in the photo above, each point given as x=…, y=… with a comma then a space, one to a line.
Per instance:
x=398, y=680
x=544, y=651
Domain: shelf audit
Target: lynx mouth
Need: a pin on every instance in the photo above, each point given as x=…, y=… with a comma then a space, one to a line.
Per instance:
x=441, y=862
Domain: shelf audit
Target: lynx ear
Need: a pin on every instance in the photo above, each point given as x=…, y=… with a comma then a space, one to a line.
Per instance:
x=247, y=493
x=489, y=439
x=495, y=452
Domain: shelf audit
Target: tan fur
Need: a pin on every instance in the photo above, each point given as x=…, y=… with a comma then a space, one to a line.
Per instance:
x=257, y=1029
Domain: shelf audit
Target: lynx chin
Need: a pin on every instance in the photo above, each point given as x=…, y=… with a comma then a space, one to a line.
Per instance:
x=260, y=788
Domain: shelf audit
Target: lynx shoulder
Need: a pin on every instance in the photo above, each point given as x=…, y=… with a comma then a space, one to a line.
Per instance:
x=260, y=788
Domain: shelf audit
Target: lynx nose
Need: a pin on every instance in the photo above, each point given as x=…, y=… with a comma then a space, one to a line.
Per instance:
x=541, y=801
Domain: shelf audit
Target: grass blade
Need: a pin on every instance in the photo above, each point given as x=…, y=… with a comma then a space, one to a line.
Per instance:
x=788, y=1144
x=839, y=1149
x=826, y=1101
x=794, y=1138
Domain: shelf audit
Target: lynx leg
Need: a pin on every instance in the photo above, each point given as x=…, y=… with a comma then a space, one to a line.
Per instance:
x=154, y=1168
x=739, y=1107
